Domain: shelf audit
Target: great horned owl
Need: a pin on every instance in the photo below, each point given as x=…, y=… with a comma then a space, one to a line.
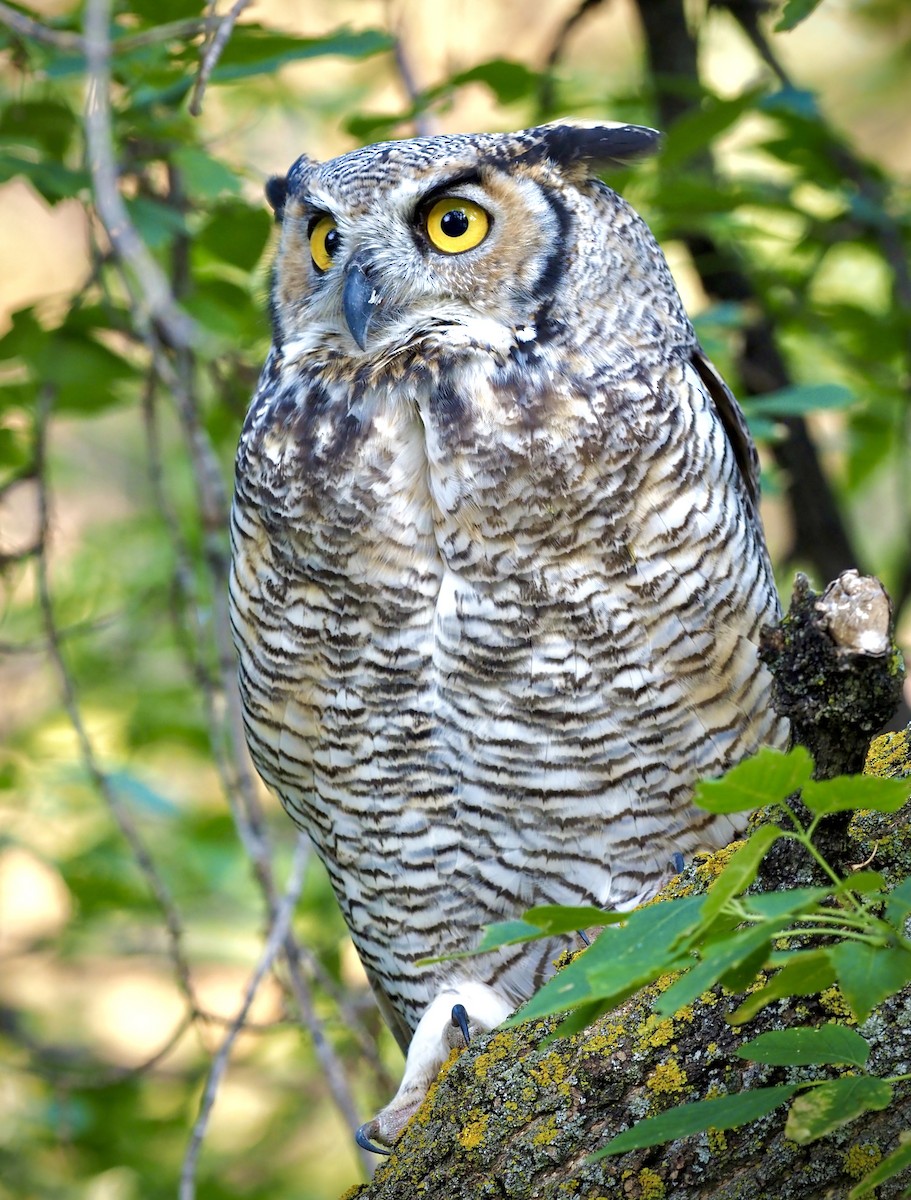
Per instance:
x=498, y=571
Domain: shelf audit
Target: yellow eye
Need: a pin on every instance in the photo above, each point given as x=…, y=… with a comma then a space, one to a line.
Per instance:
x=454, y=225
x=324, y=241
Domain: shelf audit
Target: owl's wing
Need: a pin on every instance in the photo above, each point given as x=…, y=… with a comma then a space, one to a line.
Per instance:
x=734, y=423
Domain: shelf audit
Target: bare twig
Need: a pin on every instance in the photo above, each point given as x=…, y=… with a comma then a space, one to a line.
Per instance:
x=43, y=1060
x=170, y=30
x=102, y=783
x=546, y=93
x=26, y=27
x=885, y=229
x=147, y=283
x=212, y=51
x=281, y=923
x=63, y=39
x=423, y=123
x=220, y=693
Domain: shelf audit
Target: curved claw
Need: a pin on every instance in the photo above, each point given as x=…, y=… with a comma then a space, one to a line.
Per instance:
x=586, y=940
x=365, y=1143
x=460, y=1018
x=678, y=862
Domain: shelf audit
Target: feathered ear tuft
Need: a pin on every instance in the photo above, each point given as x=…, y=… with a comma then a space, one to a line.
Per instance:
x=584, y=148
x=279, y=187
x=277, y=194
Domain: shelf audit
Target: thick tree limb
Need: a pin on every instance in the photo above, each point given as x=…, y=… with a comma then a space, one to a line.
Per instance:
x=516, y=1117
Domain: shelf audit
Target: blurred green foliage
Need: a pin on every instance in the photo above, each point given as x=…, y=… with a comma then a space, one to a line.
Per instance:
x=115, y=467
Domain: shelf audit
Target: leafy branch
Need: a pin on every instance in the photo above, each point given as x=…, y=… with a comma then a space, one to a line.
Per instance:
x=848, y=931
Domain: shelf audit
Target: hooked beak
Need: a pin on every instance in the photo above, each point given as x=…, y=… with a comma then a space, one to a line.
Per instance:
x=360, y=300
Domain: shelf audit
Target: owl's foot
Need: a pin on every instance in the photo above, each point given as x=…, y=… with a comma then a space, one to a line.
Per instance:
x=451, y=1020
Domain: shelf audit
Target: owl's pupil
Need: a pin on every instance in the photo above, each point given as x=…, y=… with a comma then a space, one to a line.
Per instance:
x=454, y=223
x=332, y=242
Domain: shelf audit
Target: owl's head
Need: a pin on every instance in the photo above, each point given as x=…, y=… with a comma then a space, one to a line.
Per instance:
x=472, y=239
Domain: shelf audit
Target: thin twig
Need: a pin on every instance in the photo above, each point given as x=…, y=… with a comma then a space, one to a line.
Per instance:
x=170, y=30
x=102, y=783
x=885, y=229
x=145, y=279
x=224, y=716
x=93, y=1079
x=26, y=27
x=212, y=53
x=423, y=122
x=546, y=93
x=280, y=925
x=63, y=39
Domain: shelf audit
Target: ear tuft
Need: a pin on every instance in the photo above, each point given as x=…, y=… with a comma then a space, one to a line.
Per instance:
x=585, y=148
x=277, y=194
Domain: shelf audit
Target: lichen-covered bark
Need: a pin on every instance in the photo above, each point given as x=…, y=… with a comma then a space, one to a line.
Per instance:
x=516, y=1117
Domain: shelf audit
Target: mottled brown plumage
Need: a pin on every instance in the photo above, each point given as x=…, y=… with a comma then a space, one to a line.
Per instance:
x=498, y=571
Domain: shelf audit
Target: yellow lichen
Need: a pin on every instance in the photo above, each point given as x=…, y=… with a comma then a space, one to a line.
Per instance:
x=547, y=1133
x=651, y=1185
x=861, y=1158
x=834, y=1002
x=549, y=1070
x=656, y=1032
x=717, y=1141
x=667, y=1078
x=472, y=1134
x=497, y=1050
x=604, y=1043
x=422, y=1116
x=889, y=755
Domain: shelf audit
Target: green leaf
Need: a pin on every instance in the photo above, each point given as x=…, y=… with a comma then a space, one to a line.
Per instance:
x=827, y=1044
x=254, y=50
x=819, y=1110
x=623, y=959
x=204, y=174
x=773, y=905
x=716, y=961
x=805, y=974
x=794, y=12
x=47, y=123
x=867, y=974
x=235, y=233
x=848, y=792
x=552, y=919
x=898, y=1160
x=52, y=179
x=798, y=401
x=692, y=132
x=864, y=883
x=86, y=375
x=723, y=1112
x=766, y=778
x=741, y=869
x=547, y=920
x=509, y=81
x=898, y=904
x=568, y=989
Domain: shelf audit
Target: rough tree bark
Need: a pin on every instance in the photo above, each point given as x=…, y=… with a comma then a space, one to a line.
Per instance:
x=514, y=1118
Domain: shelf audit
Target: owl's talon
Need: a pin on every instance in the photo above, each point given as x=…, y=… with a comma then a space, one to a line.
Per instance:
x=363, y=1140
x=460, y=1018
x=586, y=940
x=678, y=862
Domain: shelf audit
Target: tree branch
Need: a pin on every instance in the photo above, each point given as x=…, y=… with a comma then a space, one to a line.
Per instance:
x=820, y=535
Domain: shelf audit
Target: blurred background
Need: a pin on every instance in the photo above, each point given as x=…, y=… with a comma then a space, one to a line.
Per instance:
x=142, y=867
